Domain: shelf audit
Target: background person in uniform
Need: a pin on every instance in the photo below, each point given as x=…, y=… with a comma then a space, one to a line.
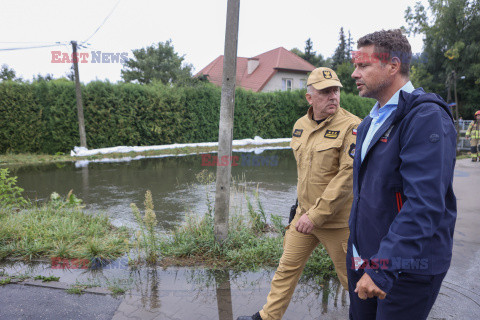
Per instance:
x=404, y=209
x=323, y=142
x=473, y=135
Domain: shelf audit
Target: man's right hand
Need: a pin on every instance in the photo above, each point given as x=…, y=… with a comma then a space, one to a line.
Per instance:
x=304, y=225
x=366, y=288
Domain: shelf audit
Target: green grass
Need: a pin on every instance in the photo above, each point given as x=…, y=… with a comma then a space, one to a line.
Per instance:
x=21, y=277
x=75, y=290
x=245, y=249
x=5, y=281
x=54, y=230
x=116, y=290
x=252, y=243
x=47, y=279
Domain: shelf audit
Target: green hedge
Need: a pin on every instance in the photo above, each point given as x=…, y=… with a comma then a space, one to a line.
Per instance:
x=41, y=117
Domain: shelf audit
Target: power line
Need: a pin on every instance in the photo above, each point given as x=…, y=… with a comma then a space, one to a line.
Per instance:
x=105, y=20
x=32, y=47
x=29, y=42
x=83, y=44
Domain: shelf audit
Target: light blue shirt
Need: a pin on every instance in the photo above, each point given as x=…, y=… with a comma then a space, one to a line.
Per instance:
x=379, y=115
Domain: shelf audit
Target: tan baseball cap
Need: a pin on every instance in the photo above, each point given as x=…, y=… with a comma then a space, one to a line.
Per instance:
x=322, y=78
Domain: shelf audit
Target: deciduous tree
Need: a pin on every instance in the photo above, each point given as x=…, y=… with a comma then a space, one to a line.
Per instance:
x=157, y=62
x=452, y=42
x=7, y=73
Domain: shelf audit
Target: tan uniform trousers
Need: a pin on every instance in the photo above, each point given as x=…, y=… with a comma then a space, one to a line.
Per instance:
x=297, y=248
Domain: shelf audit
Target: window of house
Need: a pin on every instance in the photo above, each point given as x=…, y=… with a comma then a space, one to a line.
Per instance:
x=303, y=83
x=287, y=84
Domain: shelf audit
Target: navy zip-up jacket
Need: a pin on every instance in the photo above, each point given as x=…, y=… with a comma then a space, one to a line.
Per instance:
x=404, y=209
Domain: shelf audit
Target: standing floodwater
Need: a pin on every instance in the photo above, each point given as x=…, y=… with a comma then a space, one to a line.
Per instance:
x=111, y=187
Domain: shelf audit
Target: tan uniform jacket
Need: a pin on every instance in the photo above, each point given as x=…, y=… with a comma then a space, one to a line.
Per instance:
x=473, y=130
x=324, y=154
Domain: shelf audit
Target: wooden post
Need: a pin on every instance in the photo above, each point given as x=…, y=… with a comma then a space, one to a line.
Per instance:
x=225, y=134
x=78, y=92
x=457, y=124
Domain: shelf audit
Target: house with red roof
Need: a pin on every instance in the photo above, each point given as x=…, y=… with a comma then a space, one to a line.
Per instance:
x=277, y=69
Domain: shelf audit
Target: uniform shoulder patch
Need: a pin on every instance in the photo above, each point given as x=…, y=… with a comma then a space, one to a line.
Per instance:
x=297, y=132
x=330, y=134
x=351, y=151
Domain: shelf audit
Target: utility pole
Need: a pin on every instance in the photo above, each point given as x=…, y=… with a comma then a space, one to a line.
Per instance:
x=225, y=134
x=78, y=92
x=457, y=125
x=454, y=76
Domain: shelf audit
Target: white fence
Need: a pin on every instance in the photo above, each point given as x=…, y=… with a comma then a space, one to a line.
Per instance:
x=463, y=143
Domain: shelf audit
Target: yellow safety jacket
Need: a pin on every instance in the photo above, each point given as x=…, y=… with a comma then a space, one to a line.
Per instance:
x=473, y=130
x=324, y=154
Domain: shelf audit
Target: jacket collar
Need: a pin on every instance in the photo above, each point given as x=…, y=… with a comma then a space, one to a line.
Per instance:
x=314, y=123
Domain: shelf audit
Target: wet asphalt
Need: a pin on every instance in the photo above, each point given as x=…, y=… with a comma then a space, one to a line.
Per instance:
x=191, y=294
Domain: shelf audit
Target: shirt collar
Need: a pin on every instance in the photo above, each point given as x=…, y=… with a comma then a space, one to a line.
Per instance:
x=392, y=103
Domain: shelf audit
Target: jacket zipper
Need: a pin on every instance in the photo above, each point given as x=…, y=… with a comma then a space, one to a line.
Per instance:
x=399, y=201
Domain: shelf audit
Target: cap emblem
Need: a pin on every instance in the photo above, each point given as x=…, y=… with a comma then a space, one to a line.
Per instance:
x=327, y=74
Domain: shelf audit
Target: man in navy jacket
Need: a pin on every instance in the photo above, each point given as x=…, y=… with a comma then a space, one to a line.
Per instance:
x=404, y=209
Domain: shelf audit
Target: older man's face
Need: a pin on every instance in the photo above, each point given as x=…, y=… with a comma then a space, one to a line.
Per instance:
x=324, y=102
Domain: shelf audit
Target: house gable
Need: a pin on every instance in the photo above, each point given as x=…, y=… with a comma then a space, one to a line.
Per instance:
x=263, y=69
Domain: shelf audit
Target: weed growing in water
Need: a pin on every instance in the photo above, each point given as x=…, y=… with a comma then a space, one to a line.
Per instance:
x=90, y=284
x=75, y=290
x=119, y=286
x=206, y=178
x=258, y=218
x=47, y=279
x=147, y=236
x=117, y=290
x=278, y=225
x=70, y=201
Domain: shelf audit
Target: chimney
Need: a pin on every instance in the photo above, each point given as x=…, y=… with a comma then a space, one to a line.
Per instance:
x=252, y=65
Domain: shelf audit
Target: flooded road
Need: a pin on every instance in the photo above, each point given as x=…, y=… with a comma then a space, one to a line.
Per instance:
x=183, y=293
x=111, y=187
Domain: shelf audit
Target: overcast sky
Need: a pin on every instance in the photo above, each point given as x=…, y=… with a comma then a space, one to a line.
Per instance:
x=196, y=28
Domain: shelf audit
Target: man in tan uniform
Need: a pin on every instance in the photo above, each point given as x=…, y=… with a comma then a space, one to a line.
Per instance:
x=323, y=142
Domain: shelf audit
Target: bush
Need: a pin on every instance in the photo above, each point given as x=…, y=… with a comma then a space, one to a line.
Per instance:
x=10, y=193
x=41, y=117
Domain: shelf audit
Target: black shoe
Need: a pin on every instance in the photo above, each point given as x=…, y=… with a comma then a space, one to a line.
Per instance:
x=474, y=159
x=256, y=316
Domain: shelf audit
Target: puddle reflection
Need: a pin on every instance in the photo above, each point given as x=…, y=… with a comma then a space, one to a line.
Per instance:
x=187, y=293
x=224, y=295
